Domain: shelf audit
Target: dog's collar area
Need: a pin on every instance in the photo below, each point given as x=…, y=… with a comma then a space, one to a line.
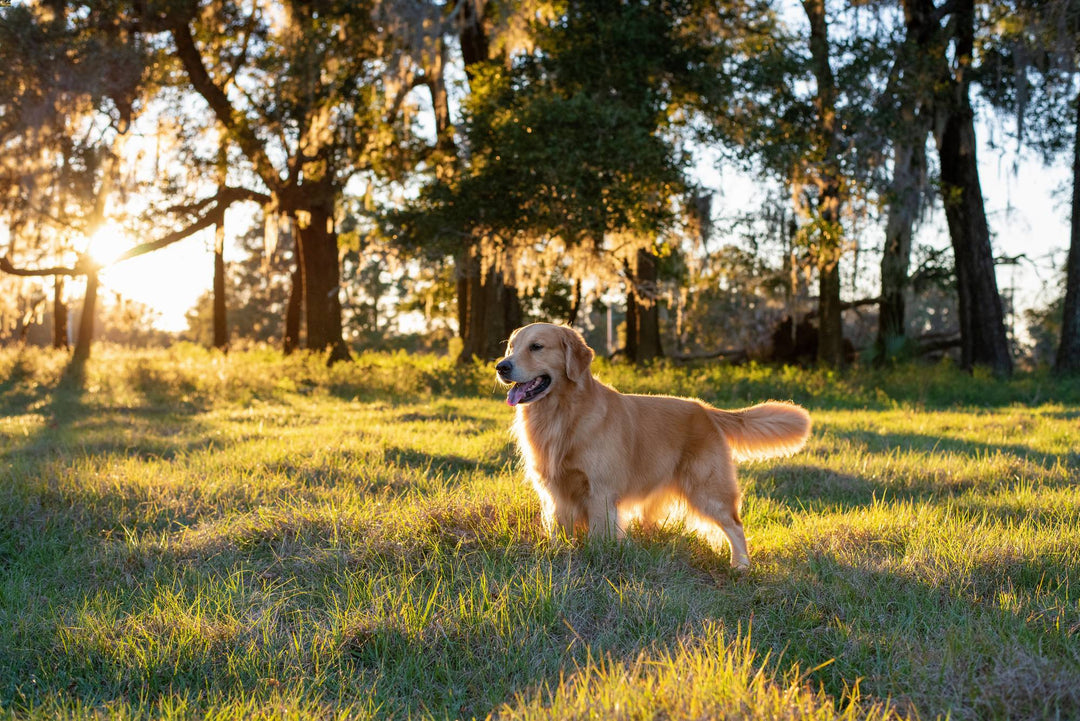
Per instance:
x=528, y=391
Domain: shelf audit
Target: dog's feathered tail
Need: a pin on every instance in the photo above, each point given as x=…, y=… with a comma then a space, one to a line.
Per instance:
x=765, y=430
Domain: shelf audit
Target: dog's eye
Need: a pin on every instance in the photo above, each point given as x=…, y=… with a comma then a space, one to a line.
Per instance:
x=535, y=346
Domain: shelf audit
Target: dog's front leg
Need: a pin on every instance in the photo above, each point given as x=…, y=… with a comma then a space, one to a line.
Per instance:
x=603, y=518
x=565, y=521
x=556, y=515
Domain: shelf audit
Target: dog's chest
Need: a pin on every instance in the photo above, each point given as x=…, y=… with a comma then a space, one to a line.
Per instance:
x=549, y=452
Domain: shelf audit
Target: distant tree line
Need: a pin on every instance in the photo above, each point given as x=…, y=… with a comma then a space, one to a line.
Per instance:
x=487, y=162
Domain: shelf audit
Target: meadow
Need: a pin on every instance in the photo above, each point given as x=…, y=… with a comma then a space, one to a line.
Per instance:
x=185, y=534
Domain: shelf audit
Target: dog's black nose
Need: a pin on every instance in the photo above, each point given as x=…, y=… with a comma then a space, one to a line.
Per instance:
x=504, y=368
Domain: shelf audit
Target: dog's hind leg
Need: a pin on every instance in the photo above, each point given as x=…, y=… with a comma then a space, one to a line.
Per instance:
x=713, y=497
x=718, y=513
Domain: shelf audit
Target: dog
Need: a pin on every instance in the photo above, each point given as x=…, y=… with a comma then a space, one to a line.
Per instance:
x=600, y=459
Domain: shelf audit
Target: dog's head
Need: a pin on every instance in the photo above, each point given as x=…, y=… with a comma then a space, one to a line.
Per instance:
x=542, y=358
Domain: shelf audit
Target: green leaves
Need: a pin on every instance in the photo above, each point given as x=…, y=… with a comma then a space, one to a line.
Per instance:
x=575, y=139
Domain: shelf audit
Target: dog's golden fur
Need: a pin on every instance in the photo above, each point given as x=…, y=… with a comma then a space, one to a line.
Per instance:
x=599, y=458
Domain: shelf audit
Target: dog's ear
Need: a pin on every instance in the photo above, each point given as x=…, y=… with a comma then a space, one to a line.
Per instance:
x=578, y=355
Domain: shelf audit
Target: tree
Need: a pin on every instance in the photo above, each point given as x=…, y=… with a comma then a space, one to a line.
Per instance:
x=908, y=116
x=489, y=307
x=303, y=92
x=221, y=325
x=64, y=131
x=803, y=117
x=571, y=146
x=825, y=228
x=1041, y=42
x=257, y=284
x=643, y=307
x=982, y=319
x=1068, y=353
x=62, y=123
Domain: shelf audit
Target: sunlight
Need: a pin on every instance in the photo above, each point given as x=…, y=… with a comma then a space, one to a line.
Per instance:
x=169, y=280
x=108, y=243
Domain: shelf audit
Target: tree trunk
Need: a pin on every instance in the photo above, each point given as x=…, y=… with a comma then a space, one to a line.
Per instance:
x=86, y=321
x=643, y=310
x=1068, y=355
x=829, y=183
x=317, y=243
x=473, y=37
x=290, y=340
x=60, y=314
x=488, y=308
x=982, y=318
x=495, y=333
x=575, y=305
x=915, y=115
x=440, y=103
x=221, y=328
x=461, y=273
x=510, y=303
x=830, y=351
x=648, y=312
x=909, y=177
x=492, y=310
x=472, y=307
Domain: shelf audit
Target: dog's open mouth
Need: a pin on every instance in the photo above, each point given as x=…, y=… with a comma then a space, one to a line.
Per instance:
x=529, y=391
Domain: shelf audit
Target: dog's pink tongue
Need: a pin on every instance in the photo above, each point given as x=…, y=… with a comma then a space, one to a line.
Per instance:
x=515, y=394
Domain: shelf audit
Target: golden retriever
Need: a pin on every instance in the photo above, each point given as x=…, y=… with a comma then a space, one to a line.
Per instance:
x=599, y=458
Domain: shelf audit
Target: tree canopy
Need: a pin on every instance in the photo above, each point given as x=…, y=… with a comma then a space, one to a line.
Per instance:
x=519, y=148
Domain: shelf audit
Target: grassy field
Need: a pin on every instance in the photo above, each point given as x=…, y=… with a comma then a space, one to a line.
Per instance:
x=187, y=535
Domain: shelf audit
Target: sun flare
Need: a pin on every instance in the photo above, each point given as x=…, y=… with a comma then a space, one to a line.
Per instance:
x=168, y=280
x=108, y=243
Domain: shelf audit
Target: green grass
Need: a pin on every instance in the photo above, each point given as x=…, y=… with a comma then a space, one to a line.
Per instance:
x=186, y=535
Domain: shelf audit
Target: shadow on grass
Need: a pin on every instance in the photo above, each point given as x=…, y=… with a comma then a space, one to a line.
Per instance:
x=59, y=402
x=472, y=423
x=989, y=642
x=445, y=465
x=942, y=444
x=16, y=395
x=808, y=489
x=60, y=531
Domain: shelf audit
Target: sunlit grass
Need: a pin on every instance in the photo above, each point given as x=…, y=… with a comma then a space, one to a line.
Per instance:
x=191, y=535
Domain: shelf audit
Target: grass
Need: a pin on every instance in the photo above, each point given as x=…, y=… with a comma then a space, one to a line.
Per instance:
x=186, y=535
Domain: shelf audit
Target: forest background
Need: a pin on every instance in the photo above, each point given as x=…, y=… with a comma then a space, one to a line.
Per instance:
x=767, y=180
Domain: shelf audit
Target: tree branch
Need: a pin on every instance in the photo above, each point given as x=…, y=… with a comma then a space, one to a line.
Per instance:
x=222, y=200
x=847, y=305
x=212, y=217
x=80, y=268
x=928, y=344
x=235, y=123
x=216, y=215
x=735, y=356
x=225, y=196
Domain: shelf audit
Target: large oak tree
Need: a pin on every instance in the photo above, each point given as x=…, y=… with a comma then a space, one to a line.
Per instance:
x=304, y=90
